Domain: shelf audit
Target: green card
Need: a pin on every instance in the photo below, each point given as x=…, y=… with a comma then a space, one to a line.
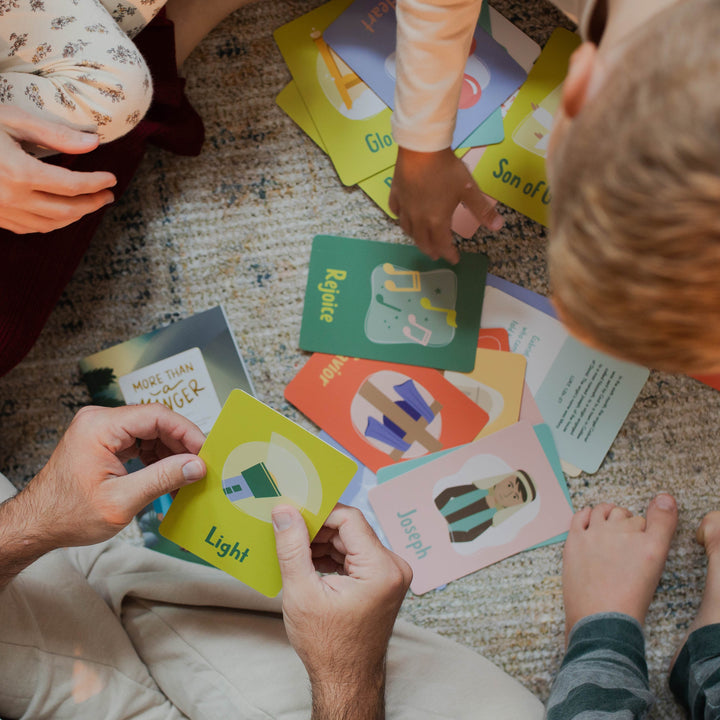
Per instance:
x=256, y=459
x=514, y=170
x=352, y=121
x=391, y=302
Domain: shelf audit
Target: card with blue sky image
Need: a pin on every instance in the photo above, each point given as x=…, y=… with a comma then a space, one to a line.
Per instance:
x=256, y=459
x=364, y=37
x=385, y=301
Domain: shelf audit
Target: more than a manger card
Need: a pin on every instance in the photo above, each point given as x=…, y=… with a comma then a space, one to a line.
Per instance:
x=256, y=459
x=383, y=413
x=472, y=506
x=391, y=302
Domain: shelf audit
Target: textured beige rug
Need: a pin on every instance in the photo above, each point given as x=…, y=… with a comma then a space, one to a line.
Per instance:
x=234, y=226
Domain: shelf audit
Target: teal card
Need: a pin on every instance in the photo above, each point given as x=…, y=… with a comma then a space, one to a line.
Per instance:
x=384, y=301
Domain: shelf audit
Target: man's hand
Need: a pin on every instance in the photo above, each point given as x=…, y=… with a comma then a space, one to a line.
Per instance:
x=426, y=189
x=36, y=196
x=340, y=624
x=84, y=494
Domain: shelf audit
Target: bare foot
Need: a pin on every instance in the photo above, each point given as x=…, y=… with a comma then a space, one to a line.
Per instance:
x=613, y=559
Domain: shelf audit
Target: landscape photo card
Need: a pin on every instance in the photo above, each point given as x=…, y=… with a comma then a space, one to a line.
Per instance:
x=353, y=122
x=391, y=302
x=384, y=413
x=472, y=506
x=256, y=459
x=190, y=366
x=364, y=37
x=583, y=395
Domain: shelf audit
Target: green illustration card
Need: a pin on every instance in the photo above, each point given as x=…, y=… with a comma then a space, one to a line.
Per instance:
x=391, y=302
x=256, y=459
x=353, y=122
x=513, y=171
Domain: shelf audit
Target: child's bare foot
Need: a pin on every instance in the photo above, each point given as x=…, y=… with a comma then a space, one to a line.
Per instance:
x=613, y=559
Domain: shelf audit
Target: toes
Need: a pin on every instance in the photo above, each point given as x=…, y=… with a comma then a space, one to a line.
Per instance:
x=601, y=512
x=708, y=534
x=619, y=513
x=662, y=518
x=580, y=520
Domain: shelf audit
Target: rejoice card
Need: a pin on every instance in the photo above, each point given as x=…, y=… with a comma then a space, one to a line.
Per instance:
x=513, y=171
x=391, y=302
x=473, y=506
x=364, y=37
x=256, y=459
x=496, y=385
x=383, y=413
x=351, y=119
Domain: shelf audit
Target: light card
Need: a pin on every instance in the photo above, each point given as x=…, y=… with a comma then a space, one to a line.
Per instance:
x=384, y=413
x=391, y=302
x=256, y=459
x=472, y=506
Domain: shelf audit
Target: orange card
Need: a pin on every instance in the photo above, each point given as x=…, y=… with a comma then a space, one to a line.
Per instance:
x=384, y=412
x=494, y=339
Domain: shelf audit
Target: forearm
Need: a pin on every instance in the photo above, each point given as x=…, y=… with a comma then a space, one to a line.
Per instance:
x=355, y=699
x=21, y=541
x=604, y=671
x=433, y=42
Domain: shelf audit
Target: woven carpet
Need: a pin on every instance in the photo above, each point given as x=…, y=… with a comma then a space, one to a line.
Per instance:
x=234, y=226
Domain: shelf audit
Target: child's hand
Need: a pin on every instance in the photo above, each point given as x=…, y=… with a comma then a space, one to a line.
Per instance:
x=426, y=189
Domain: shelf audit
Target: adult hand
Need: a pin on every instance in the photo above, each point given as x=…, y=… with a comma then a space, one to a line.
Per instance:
x=84, y=495
x=36, y=196
x=340, y=624
x=426, y=189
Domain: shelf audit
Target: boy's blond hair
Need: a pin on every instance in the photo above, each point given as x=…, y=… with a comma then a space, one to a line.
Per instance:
x=634, y=253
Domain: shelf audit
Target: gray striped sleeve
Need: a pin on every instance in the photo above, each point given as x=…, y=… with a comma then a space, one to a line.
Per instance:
x=603, y=675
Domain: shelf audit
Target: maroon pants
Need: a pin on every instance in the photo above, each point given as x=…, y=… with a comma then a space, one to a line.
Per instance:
x=35, y=268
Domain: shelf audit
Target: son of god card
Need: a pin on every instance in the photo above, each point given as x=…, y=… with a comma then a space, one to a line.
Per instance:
x=256, y=459
x=472, y=506
x=383, y=413
x=385, y=301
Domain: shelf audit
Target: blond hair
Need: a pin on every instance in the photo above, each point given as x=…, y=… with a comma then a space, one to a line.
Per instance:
x=634, y=254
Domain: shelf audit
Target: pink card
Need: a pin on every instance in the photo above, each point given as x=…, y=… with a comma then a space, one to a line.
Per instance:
x=472, y=506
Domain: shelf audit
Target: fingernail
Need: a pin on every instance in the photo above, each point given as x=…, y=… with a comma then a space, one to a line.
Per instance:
x=497, y=222
x=193, y=470
x=665, y=501
x=281, y=520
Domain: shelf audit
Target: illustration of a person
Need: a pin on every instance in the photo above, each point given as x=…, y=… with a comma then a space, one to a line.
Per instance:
x=471, y=509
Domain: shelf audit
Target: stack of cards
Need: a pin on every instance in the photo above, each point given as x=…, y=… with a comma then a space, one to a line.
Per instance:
x=454, y=391
x=342, y=60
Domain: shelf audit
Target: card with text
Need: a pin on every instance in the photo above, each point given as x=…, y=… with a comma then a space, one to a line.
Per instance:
x=353, y=122
x=383, y=413
x=256, y=459
x=583, y=394
x=364, y=37
x=513, y=171
x=391, y=302
x=472, y=507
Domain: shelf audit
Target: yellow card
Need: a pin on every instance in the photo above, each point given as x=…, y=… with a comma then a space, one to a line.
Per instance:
x=513, y=171
x=256, y=459
x=352, y=121
x=496, y=385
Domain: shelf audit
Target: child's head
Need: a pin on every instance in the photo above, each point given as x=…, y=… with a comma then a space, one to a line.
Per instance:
x=634, y=253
